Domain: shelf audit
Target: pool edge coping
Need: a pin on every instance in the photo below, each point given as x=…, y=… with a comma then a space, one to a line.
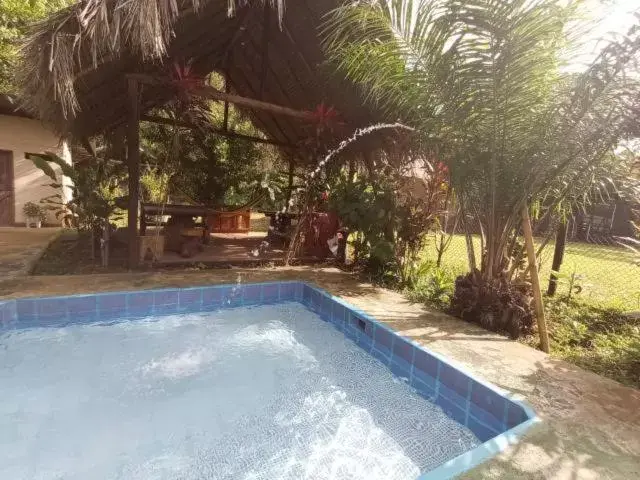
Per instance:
x=486, y=450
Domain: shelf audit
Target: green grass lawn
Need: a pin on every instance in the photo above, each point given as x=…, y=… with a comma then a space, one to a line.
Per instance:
x=608, y=272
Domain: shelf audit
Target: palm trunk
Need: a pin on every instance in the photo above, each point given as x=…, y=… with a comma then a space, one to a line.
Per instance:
x=535, y=280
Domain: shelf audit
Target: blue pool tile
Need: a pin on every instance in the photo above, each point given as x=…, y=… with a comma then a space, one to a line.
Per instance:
x=380, y=355
x=453, y=396
x=26, y=307
x=383, y=338
x=251, y=294
x=316, y=301
x=337, y=315
x=400, y=368
x=365, y=343
x=111, y=304
x=190, y=300
x=403, y=349
x=424, y=377
x=166, y=297
x=298, y=291
x=306, y=294
x=48, y=307
x=369, y=329
x=455, y=380
x=515, y=415
x=166, y=309
x=212, y=296
x=488, y=400
x=426, y=390
x=480, y=430
x=485, y=417
x=270, y=293
x=451, y=409
x=140, y=303
x=326, y=306
x=351, y=332
x=426, y=362
x=81, y=305
x=287, y=291
x=359, y=324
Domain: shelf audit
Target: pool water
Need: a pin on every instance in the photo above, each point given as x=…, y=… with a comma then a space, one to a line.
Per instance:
x=266, y=392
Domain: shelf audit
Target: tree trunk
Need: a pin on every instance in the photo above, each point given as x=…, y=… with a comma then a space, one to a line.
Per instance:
x=290, y=185
x=133, y=164
x=105, y=244
x=535, y=280
x=471, y=256
x=558, y=256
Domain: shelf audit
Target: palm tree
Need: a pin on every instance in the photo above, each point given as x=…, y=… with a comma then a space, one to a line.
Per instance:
x=481, y=81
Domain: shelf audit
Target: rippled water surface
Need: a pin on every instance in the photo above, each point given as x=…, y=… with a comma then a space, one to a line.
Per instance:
x=269, y=392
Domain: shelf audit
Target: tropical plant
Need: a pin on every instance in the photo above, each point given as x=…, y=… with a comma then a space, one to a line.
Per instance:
x=575, y=282
x=481, y=82
x=33, y=210
x=15, y=17
x=96, y=197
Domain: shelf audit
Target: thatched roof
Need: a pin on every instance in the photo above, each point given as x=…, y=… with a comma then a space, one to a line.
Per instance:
x=75, y=64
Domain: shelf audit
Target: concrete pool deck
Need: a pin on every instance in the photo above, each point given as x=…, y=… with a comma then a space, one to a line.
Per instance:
x=590, y=425
x=20, y=248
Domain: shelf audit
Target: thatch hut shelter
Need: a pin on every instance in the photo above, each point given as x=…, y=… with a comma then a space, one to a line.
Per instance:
x=103, y=64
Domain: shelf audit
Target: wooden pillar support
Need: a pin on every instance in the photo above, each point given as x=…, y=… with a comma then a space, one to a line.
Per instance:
x=133, y=164
x=535, y=280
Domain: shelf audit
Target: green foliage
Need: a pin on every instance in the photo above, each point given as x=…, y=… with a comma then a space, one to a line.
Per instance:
x=15, y=17
x=431, y=285
x=95, y=191
x=370, y=212
x=200, y=166
x=154, y=185
x=575, y=282
x=32, y=210
x=597, y=336
x=481, y=83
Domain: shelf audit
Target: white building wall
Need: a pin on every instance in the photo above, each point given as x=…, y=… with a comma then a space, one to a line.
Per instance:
x=21, y=136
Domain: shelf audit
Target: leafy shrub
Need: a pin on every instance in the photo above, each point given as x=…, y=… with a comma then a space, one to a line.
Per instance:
x=32, y=210
x=431, y=285
x=597, y=336
x=498, y=304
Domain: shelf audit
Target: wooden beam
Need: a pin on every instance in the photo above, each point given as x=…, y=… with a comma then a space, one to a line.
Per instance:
x=133, y=165
x=535, y=280
x=224, y=133
x=215, y=94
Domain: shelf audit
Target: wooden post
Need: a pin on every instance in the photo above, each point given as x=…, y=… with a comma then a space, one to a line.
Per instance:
x=558, y=256
x=133, y=164
x=535, y=280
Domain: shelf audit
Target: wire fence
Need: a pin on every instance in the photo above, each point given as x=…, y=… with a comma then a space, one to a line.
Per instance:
x=599, y=269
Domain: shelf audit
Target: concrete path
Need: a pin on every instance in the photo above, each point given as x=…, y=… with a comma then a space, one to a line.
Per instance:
x=20, y=248
x=591, y=425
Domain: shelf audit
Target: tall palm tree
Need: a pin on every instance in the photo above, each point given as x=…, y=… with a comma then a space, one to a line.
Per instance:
x=481, y=80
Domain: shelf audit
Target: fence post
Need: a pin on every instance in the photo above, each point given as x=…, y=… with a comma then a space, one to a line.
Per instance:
x=535, y=280
x=558, y=256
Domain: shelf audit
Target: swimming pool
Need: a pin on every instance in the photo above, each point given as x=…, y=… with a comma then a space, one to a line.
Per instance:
x=273, y=380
